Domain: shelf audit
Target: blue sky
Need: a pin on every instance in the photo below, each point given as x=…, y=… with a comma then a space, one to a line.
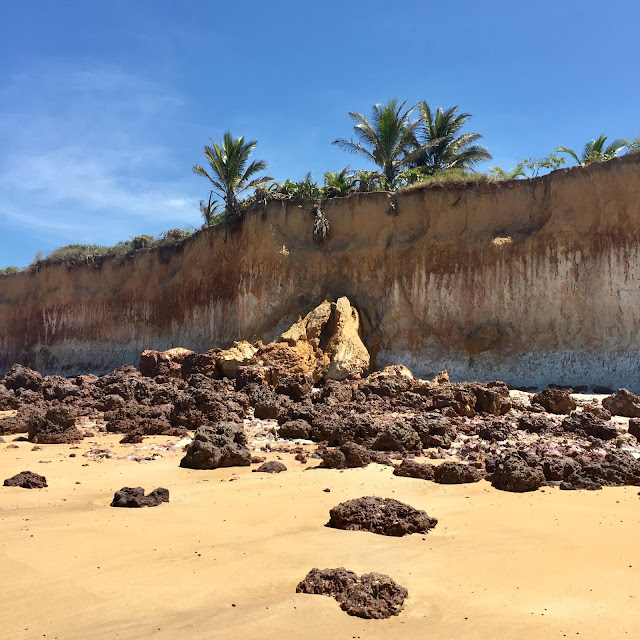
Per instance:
x=105, y=107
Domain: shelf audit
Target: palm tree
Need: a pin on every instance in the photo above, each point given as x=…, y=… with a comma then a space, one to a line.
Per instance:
x=211, y=211
x=338, y=183
x=595, y=151
x=230, y=174
x=444, y=146
x=513, y=174
x=388, y=140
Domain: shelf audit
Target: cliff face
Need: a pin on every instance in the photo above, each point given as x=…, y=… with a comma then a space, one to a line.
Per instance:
x=529, y=282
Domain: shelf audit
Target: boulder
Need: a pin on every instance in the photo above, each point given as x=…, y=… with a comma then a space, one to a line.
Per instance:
x=383, y=516
x=555, y=400
x=26, y=480
x=271, y=467
x=492, y=397
x=619, y=468
x=390, y=382
x=349, y=358
x=8, y=400
x=347, y=456
x=398, y=436
x=494, y=431
x=536, y=423
x=222, y=445
x=239, y=354
x=55, y=426
x=434, y=430
x=163, y=363
x=512, y=473
x=371, y=596
x=558, y=469
x=133, y=497
x=623, y=403
x=20, y=377
x=456, y=473
x=590, y=425
x=295, y=429
x=412, y=469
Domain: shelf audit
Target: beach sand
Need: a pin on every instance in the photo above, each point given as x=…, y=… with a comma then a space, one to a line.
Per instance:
x=547, y=564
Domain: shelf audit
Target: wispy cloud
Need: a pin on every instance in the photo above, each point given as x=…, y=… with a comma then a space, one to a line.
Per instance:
x=79, y=156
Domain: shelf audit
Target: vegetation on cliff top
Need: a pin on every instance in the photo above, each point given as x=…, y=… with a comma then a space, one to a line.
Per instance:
x=428, y=150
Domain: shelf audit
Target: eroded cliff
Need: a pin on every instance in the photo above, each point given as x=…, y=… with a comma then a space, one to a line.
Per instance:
x=530, y=282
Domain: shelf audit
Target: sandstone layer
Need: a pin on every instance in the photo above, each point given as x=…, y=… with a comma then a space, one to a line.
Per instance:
x=530, y=282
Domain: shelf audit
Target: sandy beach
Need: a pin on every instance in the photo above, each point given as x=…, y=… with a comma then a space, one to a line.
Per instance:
x=223, y=558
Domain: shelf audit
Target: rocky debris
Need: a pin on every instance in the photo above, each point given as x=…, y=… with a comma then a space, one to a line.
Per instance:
x=271, y=467
x=383, y=516
x=26, y=480
x=596, y=409
x=163, y=363
x=390, y=382
x=634, y=428
x=295, y=429
x=240, y=353
x=623, y=403
x=618, y=469
x=133, y=497
x=20, y=377
x=434, y=430
x=555, y=400
x=222, y=445
x=347, y=456
x=398, y=436
x=55, y=426
x=495, y=431
x=456, y=397
x=456, y=473
x=14, y=424
x=412, y=469
x=492, y=397
x=202, y=363
x=536, y=423
x=589, y=425
x=8, y=400
x=512, y=473
x=558, y=469
x=371, y=596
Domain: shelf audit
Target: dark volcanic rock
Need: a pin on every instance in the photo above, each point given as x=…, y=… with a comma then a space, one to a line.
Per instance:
x=618, y=469
x=514, y=474
x=434, y=430
x=558, y=469
x=623, y=403
x=20, y=377
x=295, y=429
x=456, y=473
x=374, y=595
x=347, y=456
x=26, y=480
x=588, y=424
x=56, y=426
x=133, y=497
x=536, y=423
x=14, y=424
x=8, y=399
x=384, y=516
x=494, y=431
x=327, y=582
x=398, y=436
x=456, y=397
x=271, y=467
x=555, y=400
x=634, y=427
x=222, y=445
x=413, y=469
x=371, y=596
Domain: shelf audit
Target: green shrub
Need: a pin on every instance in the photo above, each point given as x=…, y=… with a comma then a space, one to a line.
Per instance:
x=9, y=270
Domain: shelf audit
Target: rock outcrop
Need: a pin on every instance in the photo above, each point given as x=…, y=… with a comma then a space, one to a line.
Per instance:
x=623, y=403
x=55, y=426
x=26, y=480
x=222, y=445
x=133, y=497
x=372, y=595
x=383, y=516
